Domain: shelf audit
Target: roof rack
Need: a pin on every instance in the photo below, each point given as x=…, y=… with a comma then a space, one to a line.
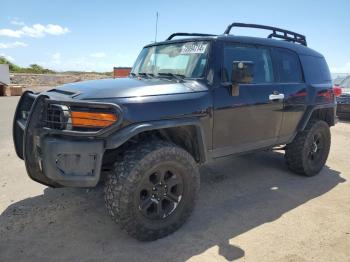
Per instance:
x=187, y=34
x=276, y=32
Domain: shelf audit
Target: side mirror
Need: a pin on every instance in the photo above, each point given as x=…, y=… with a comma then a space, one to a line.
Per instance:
x=242, y=73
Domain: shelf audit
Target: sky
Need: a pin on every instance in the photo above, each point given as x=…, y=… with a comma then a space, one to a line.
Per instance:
x=98, y=35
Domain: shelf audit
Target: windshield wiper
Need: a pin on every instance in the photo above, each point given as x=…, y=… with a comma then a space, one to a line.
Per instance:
x=176, y=76
x=149, y=75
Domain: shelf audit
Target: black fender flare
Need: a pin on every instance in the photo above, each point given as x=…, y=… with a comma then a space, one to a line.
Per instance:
x=312, y=108
x=123, y=135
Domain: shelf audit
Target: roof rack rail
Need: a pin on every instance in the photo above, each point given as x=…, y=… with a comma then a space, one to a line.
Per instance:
x=187, y=34
x=276, y=32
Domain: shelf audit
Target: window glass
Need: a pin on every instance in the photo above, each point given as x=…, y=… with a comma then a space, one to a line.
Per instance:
x=188, y=59
x=289, y=67
x=315, y=69
x=260, y=57
x=164, y=61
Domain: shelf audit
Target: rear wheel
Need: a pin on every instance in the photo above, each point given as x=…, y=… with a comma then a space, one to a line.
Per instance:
x=308, y=152
x=152, y=191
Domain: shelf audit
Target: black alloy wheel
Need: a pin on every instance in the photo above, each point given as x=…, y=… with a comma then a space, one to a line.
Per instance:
x=317, y=148
x=160, y=192
x=308, y=152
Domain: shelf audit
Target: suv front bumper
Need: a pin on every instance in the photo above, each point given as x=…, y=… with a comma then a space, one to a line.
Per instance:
x=71, y=163
x=53, y=159
x=74, y=158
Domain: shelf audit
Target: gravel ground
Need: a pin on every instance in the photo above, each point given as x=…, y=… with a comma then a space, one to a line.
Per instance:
x=251, y=208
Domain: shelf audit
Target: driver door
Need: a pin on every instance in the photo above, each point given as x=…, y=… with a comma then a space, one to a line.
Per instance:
x=250, y=118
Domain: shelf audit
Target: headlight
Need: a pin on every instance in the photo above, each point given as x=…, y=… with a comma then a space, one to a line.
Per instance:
x=82, y=117
x=92, y=119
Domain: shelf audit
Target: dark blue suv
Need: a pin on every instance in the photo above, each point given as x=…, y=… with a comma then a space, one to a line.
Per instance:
x=185, y=102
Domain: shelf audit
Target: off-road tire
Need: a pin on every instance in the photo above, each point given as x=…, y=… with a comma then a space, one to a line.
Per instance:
x=297, y=152
x=123, y=183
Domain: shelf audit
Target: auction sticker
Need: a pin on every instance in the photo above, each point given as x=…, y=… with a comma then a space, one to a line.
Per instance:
x=194, y=48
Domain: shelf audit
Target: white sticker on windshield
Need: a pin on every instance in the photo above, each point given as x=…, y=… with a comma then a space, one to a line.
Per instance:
x=193, y=48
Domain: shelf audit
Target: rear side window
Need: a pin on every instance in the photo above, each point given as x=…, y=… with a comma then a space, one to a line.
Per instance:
x=260, y=57
x=288, y=67
x=315, y=69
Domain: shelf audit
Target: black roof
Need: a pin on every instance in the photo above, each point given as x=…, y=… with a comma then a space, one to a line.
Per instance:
x=300, y=49
x=287, y=39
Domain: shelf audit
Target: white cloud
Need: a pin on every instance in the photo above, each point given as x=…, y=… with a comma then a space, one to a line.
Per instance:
x=12, y=45
x=341, y=69
x=10, y=58
x=98, y=55
x=36, y=30
x=10, y=33
x=17, y=21
x=56, y=56
x=39, y=30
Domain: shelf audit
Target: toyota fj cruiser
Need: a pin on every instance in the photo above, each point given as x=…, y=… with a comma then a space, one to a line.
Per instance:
x=185, y=102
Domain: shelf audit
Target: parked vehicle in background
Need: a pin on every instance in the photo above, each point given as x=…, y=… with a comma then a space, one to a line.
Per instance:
x=186, y=101
x=338, y=80
x=343, y=100
x=345, y=83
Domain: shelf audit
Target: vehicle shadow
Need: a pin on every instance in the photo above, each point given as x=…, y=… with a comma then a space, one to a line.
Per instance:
x=237, y=194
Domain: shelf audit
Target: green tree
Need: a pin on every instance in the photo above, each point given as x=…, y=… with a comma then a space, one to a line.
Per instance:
x=33, y=68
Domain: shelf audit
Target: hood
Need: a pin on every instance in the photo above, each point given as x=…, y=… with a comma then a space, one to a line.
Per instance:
x=128, y=87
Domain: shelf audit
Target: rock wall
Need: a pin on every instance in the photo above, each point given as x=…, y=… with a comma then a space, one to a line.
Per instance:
x=49, y=80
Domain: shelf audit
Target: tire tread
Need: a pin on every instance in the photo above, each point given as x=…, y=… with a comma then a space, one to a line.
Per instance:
x=121, y=182
x=294, y=151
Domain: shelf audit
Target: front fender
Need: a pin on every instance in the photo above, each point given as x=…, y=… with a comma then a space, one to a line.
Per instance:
x=121, y=136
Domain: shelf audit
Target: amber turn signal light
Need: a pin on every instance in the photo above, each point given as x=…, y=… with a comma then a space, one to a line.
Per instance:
x=92, y=119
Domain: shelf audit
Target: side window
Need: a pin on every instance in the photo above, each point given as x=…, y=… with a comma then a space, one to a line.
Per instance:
x=260, y=57
x=289, y=67
x=315, y=69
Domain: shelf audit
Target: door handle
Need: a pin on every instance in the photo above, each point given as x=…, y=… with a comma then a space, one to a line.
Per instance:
x=276, y=96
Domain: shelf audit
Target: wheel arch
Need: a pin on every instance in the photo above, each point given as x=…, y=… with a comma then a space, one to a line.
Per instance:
x=186, y=133
x=326, y=113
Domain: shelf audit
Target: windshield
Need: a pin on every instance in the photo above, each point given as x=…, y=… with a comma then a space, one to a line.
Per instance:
x=179, y=59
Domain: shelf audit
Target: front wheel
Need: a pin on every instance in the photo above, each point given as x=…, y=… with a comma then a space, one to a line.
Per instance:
x=308, y=152
x=153, y=190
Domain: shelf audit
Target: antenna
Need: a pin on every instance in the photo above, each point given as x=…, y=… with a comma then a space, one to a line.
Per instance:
x=155, y=37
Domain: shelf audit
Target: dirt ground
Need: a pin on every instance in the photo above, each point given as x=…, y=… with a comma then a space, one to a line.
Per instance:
x=251, y=208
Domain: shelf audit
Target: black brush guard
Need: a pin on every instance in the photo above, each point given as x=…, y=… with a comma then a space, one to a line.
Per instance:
x=55, y=157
